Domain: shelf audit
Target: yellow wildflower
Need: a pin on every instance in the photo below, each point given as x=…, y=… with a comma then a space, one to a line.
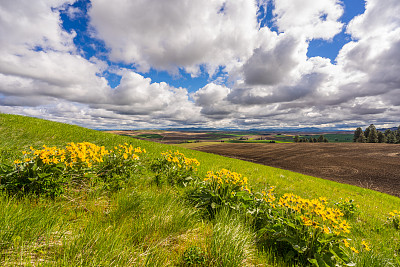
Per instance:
x=354, y=250
x=365, y=245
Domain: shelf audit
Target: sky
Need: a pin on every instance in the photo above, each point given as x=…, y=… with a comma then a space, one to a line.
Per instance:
x=240, y=64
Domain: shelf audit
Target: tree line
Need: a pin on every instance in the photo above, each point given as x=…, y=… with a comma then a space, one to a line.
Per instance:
x=372, y=135
x=320, y=139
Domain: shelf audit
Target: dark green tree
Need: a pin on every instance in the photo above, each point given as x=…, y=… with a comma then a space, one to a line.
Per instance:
x=381, y=138
x=361, y=138
x=398, y=135
x=326, y=140
x=296, y=139
x=391, y=138
x=320, y=139
x=366, y=132
x=357, y=134
x=373, y=134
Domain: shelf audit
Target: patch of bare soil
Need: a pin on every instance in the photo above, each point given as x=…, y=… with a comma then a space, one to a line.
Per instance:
x=372, y=166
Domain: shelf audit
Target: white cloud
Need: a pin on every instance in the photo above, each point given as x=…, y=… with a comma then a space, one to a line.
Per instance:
x=371, y=59
x=309, y=18
x=271, y=81
x=213, y=100
x=41, y=74
x=27, y=25
x=168, y=35
x=136, y=95
x=380, y=18
x=272, y=66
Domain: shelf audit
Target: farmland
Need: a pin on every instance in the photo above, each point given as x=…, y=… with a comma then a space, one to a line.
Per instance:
x=372, y=166
x=188, y=138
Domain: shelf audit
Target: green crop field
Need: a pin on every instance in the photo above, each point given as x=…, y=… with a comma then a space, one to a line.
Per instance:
x=148, y=211
x=256, y=141
x=343, y=138
x=150, y=136
x=335, y=138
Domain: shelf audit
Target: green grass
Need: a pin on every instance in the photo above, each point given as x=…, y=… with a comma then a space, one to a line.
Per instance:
x=257, y=141
x=284, y=138
x=334, y=138
x=342, y=138
x=146, y=225
x=192, y=145
x=149, y=136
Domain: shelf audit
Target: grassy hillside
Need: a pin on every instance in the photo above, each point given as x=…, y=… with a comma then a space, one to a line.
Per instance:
x=144, y=224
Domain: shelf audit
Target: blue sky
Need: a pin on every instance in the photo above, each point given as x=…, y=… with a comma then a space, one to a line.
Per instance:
x=330, y=49
x=221, y=63
x=84, y=41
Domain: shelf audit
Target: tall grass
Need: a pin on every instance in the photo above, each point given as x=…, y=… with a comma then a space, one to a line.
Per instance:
x=231, y=243
x=147, y=225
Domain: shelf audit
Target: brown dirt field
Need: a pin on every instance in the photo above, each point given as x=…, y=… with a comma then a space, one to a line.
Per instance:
x=372, y=166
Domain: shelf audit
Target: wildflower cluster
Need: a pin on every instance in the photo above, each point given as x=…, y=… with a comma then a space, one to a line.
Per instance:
x=179, y=160
x=175, y=168
x=78, y=155
x=269, y=196
x=226, y=178
x=49, y=169
x=48, y=155
x=222, y=188
x=84, y=154
x=316, y=214
x=307, y=229
x=126, y=152
x=121, y=163
x=312, y=227
x=394, y=219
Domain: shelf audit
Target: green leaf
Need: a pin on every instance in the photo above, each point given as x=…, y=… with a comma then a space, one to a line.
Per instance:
x=43, y=175
x=339, y=253
x=320, y=261
x=313, y=262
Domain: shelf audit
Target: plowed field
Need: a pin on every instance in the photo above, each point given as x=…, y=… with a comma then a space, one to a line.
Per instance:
x=373, y=166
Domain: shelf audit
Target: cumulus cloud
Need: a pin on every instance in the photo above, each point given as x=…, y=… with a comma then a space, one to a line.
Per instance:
x=275, y=94
x=308, y=18
x=270, y=81
x=212, y=99
x=370, y=58
x=359, y=87
x=41, y=70
x=271, y=66
x=379, y=18
x=24, y=25
x=168, y=35
x=136, y=95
